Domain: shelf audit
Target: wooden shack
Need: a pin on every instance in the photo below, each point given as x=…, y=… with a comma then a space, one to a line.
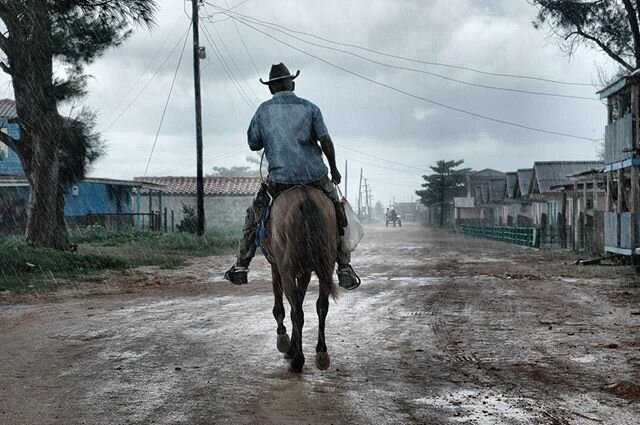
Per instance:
x=622, y=162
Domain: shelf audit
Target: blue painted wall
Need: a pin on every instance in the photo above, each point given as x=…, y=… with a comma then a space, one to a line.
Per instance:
x=97, y=198
x=11, y=164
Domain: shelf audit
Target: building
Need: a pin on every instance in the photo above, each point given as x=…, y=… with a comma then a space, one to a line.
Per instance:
x=622, y=165
x=226, y=199
x=107, y=202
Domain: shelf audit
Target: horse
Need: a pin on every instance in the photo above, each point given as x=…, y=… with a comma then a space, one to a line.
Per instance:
x=301, y=238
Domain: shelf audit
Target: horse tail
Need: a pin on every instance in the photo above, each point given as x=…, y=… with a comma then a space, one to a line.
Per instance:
x=316, y=245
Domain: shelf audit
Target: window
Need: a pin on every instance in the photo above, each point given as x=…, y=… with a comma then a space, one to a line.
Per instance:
x=552, y=211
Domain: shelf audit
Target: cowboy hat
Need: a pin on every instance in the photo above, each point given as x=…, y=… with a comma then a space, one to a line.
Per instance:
x=279, y=72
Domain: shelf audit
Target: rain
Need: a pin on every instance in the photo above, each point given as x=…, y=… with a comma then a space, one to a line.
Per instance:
x=240, y=211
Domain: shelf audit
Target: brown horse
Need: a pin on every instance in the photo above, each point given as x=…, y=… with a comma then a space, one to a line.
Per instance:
x=301, y=239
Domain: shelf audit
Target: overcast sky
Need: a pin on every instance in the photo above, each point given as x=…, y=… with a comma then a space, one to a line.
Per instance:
x=393, y=136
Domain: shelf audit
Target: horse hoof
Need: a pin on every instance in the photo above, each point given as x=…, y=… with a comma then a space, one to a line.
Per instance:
x=283, y=343
x=322, y=361
x=296, y=365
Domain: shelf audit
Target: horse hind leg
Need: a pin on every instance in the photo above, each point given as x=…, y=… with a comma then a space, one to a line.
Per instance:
x=283, y=342
x=322, y=307
x=296, y=296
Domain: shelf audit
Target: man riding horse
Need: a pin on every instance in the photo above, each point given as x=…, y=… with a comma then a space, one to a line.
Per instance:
x=289, y=128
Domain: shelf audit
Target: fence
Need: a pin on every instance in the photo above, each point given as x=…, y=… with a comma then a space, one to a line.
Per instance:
x=154, y=221
x=525, y=236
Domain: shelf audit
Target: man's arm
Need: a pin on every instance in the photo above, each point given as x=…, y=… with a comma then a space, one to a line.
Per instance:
x=329, y=151
x=254, y=138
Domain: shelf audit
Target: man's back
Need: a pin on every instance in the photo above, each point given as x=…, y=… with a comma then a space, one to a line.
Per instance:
x=288, y=127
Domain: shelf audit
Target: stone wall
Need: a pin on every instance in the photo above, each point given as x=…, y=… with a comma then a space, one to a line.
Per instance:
x=219, y=211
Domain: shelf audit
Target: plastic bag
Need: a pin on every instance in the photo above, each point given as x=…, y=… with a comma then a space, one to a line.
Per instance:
x=354, y=231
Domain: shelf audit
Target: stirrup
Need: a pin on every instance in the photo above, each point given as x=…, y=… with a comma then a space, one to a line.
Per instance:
x=347, y=278
x=237, y=275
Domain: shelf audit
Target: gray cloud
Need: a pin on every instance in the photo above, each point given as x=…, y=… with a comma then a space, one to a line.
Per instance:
x=492, y=35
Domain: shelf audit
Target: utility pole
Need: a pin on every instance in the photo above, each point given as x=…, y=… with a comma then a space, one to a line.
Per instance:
x=198, y=100
x=442, y=174
x=360, y=193
x=346, y=178
x=366, y=200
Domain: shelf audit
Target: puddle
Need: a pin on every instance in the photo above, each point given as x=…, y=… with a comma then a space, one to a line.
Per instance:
x=588, y=358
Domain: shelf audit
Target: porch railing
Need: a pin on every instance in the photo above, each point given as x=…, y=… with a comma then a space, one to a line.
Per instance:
x=525, y=236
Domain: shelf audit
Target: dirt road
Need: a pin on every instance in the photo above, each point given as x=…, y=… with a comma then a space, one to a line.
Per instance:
x=444, y=329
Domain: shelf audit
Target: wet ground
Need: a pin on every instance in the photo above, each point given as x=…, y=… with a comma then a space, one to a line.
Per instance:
x=445, y=329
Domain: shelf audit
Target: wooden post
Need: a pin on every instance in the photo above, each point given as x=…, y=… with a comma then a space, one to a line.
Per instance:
x=634, y=204
x=594, y=190
x=635, y=113
x=619, y=203
x=607, y=199
x=574, y=216
x=165, y=219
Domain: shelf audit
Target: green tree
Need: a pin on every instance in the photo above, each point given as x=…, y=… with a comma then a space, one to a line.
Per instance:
x=37, y=35
x=445, y=183
x=612, y=26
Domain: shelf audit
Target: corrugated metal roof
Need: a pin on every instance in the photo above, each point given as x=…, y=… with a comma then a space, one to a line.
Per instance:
x=524, y=180
x=512, y=181
x=221, y=186
x=497, y=190
x=8, y=109
x=555, y=173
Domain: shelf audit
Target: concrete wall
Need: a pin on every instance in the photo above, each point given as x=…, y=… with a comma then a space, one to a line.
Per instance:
x=219, y=211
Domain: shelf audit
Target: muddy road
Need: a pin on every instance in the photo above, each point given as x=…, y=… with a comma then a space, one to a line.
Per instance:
x=445, y=329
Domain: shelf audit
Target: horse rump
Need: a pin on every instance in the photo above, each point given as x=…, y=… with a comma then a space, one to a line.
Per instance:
x=320, y=238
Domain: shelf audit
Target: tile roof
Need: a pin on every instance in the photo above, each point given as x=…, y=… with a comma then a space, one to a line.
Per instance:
x=8, y=109
x=213, y=186
x=555, y=173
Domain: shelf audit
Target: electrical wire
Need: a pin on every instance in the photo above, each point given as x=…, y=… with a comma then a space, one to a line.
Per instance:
x=421, y=71
x=227, y=70
x=408, y=59
x=137, y=80
x=418, y=97
x=380, y=159
x=148, y=82
x=224, y=45
x=166, y=105
x=246, y=49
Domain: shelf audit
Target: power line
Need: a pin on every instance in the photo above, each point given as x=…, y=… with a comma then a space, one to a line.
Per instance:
x=235, y=24
x=380, y=159
x=224, y=45
x=227, y=70
x=148, y=82
x=421, y=71
x=166, y=105
x=408, y=59
x=415, y=96
x=135, y=83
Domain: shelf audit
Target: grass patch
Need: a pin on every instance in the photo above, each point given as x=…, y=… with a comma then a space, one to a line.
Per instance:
x=24, y=267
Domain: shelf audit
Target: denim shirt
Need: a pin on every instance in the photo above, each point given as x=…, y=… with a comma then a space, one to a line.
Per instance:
x=288, y=128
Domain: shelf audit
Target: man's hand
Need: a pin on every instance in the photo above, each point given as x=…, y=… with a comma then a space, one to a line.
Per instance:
x=335, y=176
